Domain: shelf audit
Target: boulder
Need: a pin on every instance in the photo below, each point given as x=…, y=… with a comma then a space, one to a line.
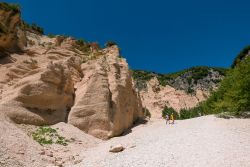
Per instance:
x=116, y=149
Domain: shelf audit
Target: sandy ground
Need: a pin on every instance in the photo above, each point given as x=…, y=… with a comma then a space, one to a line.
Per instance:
x=206, y=141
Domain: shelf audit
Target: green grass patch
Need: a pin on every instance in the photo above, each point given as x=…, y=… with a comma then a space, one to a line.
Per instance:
x=46, y=135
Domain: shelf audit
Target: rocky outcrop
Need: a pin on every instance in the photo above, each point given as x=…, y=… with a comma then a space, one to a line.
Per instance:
x=106, y=103
x=156, y=97
x=181, y=90
x=12, y=37
x=43, y=98
x=53, y=82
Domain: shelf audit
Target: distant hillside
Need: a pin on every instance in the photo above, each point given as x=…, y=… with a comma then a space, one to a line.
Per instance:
x=181, y=90
x=233, y=96
x=188, y=80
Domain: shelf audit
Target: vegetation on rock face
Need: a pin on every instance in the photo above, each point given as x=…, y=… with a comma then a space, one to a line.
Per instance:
x=183, y=80
x=33, y=28
x=10, y=7
x=47, y=135
x=233, y=95
x=110, y=43
x=146, y=113
x=3, y=29
x=234, y=92
x=51, y=35
x=244, y=52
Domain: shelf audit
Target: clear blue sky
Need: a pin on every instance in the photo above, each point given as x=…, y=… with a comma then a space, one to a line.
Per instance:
x=157, y=35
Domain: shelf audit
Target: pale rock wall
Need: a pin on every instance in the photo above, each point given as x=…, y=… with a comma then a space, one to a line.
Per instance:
x=12, y=37
x=156, y=97
x=106, y=103
x=53, y=82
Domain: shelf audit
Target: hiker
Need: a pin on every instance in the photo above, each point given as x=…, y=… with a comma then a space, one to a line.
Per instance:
x=172, y=118
x=167, y=119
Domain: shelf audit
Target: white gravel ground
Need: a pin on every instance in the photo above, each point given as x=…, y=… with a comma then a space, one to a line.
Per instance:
x=201, y=142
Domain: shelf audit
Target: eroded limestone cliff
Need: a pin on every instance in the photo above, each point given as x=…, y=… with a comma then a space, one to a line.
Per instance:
x=54, y=80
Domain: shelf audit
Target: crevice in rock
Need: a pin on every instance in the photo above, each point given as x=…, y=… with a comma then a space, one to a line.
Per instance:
x=68, y=109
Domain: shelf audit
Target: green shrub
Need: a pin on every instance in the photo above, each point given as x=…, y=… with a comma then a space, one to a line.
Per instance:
x=110, y=43
x=191, y=113
x=9, y=6
x=83, y=45
x=141, y=77
x=190, y=90
x=47, y=135
x=33, y=28
x=241, y=56
x=168, y=111
x=184, y=114
x=235, y=90
x=81, y=42
x=146, y=113
x=51, y=35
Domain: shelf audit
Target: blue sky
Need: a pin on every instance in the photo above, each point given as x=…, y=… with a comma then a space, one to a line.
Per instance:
x=156, y=35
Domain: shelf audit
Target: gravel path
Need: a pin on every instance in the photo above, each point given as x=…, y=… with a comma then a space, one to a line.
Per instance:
x=205, y=141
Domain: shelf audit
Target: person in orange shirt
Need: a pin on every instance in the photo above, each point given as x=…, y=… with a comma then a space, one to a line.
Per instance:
x=172, y=118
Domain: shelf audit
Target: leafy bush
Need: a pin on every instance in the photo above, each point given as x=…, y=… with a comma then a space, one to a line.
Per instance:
x=33, y=28
x=51, y=35
x=146, y=113
x=241, y=56
x=83, y=45
x=191, y=113
x=235, y=91
x=141, y=77
x=168, y=111
x=110, y=43
x=8, y=7
x=190, y=90
x=47, y=135
x=81, y=42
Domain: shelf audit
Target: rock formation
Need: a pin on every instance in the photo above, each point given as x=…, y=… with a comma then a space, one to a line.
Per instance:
x=12, y=37
x=106, y=103
x=180, y=91
x=63, y=80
